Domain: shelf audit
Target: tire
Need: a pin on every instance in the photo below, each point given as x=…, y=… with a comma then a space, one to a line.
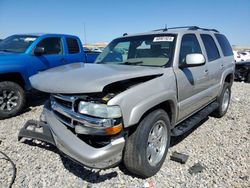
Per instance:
x=224, y=101
x=12, y=99
x=248, y=78
x=137, y=151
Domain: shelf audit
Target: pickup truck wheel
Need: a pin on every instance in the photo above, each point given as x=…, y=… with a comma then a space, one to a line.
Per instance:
x=248, y=77
x=223, y=100
x=146, y=148
x=12, y=99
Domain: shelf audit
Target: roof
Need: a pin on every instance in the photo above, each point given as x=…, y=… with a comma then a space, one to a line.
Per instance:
x=176, y=30
x=43, y=34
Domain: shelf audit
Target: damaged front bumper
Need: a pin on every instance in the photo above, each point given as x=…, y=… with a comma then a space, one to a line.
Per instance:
x=56, y=133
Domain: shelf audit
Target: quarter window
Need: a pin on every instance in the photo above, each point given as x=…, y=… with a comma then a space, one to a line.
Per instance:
x=73, y=46
x=210, y=46
x=51, y=45
x=224, y=44
x=189, y=45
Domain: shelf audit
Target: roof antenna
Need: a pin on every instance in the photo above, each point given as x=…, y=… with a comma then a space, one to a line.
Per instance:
x=125, y=34
x=166, y=27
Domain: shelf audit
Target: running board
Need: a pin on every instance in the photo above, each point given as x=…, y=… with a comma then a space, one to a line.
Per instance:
x=189, y=123
x=36, y=130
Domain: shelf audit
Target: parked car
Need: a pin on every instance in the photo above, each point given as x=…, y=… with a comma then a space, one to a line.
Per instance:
x=245, y=56
x=237, y=56
x=242, y=71
x=142, y=90
x=22, y=56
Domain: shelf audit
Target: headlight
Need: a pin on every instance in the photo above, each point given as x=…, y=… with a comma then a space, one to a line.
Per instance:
x=99, y=110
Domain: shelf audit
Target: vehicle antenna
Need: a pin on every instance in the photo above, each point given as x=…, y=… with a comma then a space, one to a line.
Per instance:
x=85, y=38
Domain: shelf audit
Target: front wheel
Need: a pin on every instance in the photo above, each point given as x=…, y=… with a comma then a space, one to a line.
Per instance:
x=223, y=100
x=146, y=148
x=12, y=99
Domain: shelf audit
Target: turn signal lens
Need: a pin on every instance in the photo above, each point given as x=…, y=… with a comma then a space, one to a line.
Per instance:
x=113, y=130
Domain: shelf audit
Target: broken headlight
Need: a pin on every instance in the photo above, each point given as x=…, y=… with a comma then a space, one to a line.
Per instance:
x=99, y=110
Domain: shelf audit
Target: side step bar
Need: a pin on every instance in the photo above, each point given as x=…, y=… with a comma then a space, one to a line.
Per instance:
x=194, y=119
x=36, y=130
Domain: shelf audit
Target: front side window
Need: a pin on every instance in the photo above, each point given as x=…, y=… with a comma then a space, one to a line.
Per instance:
x=72, y=45
x=210, y=46
x=146, y=50
x=189, y=45
x=17, y=43
x=52, y=45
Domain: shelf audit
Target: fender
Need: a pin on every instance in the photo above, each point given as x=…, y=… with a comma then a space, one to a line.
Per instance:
x=149, y=94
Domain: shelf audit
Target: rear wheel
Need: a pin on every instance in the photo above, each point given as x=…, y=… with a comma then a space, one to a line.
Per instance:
x=146, y=148
x=223, y=100
x=12, y=99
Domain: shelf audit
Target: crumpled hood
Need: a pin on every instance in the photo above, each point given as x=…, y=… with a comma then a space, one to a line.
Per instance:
x=87, y=78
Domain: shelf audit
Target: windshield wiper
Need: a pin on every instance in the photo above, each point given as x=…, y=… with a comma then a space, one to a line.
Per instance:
x=132, y=62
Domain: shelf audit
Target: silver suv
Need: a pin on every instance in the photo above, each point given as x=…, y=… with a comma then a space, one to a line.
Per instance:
x=142, y=90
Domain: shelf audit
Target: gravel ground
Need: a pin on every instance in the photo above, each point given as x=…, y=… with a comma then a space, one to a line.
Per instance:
x=221, y=146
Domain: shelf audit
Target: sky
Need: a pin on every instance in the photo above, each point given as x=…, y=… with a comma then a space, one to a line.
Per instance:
x=105, y=20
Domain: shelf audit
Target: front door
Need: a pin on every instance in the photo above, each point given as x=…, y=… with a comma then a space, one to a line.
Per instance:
x=192, y=82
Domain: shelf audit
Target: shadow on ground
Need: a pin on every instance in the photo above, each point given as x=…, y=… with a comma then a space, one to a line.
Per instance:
x=92, y=176
x=72, y=166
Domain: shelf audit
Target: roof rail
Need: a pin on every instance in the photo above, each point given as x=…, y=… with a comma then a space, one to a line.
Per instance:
x=189, y=28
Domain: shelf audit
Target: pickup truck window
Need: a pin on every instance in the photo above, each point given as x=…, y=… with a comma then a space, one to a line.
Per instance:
x=224, y=44
x=189, y=45
x=145, y=50
x=210, y=46
x=17, y=43
x=51, y=45
x=73, y=46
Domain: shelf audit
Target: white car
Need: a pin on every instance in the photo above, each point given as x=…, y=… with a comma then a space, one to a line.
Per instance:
x=245, y=56
x=237, y=56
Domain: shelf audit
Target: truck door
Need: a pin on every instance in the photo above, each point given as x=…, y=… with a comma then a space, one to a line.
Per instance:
x=74, y=50
x=53, y=54
x=214, y=63
x=192, y=82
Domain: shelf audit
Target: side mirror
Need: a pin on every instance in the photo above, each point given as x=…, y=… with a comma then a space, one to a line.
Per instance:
x=39, y=51
x=193, y=60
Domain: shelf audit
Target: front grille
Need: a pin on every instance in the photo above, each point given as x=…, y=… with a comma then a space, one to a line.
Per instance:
x=60, y=105
x=65, y=110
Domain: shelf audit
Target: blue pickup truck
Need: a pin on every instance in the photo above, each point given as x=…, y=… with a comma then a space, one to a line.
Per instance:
x=22, y=56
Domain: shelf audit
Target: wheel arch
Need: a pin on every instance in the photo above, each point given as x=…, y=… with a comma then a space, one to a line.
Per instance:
x=13, y=77
x=168, y=106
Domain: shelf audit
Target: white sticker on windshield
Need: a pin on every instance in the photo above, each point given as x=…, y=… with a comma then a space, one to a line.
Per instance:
x=29, y=39
x=164, y=38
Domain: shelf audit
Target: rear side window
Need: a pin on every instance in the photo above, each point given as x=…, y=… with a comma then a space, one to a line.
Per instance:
x=189, y=45
x=73, y=46
x=51, y=45
x=224, y=44
x=210, y=46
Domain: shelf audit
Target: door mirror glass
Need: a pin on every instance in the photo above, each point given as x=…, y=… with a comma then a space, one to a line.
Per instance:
x=39, y=51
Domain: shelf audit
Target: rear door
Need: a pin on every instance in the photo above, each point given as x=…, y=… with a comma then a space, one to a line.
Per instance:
x=214, y=62
x=74, y=50
x=192, y=81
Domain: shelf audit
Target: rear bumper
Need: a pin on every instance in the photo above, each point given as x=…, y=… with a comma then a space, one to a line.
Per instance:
x=57, y=133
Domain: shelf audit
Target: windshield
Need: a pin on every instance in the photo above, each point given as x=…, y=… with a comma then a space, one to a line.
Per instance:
x=146, y=50
x=17, y=43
